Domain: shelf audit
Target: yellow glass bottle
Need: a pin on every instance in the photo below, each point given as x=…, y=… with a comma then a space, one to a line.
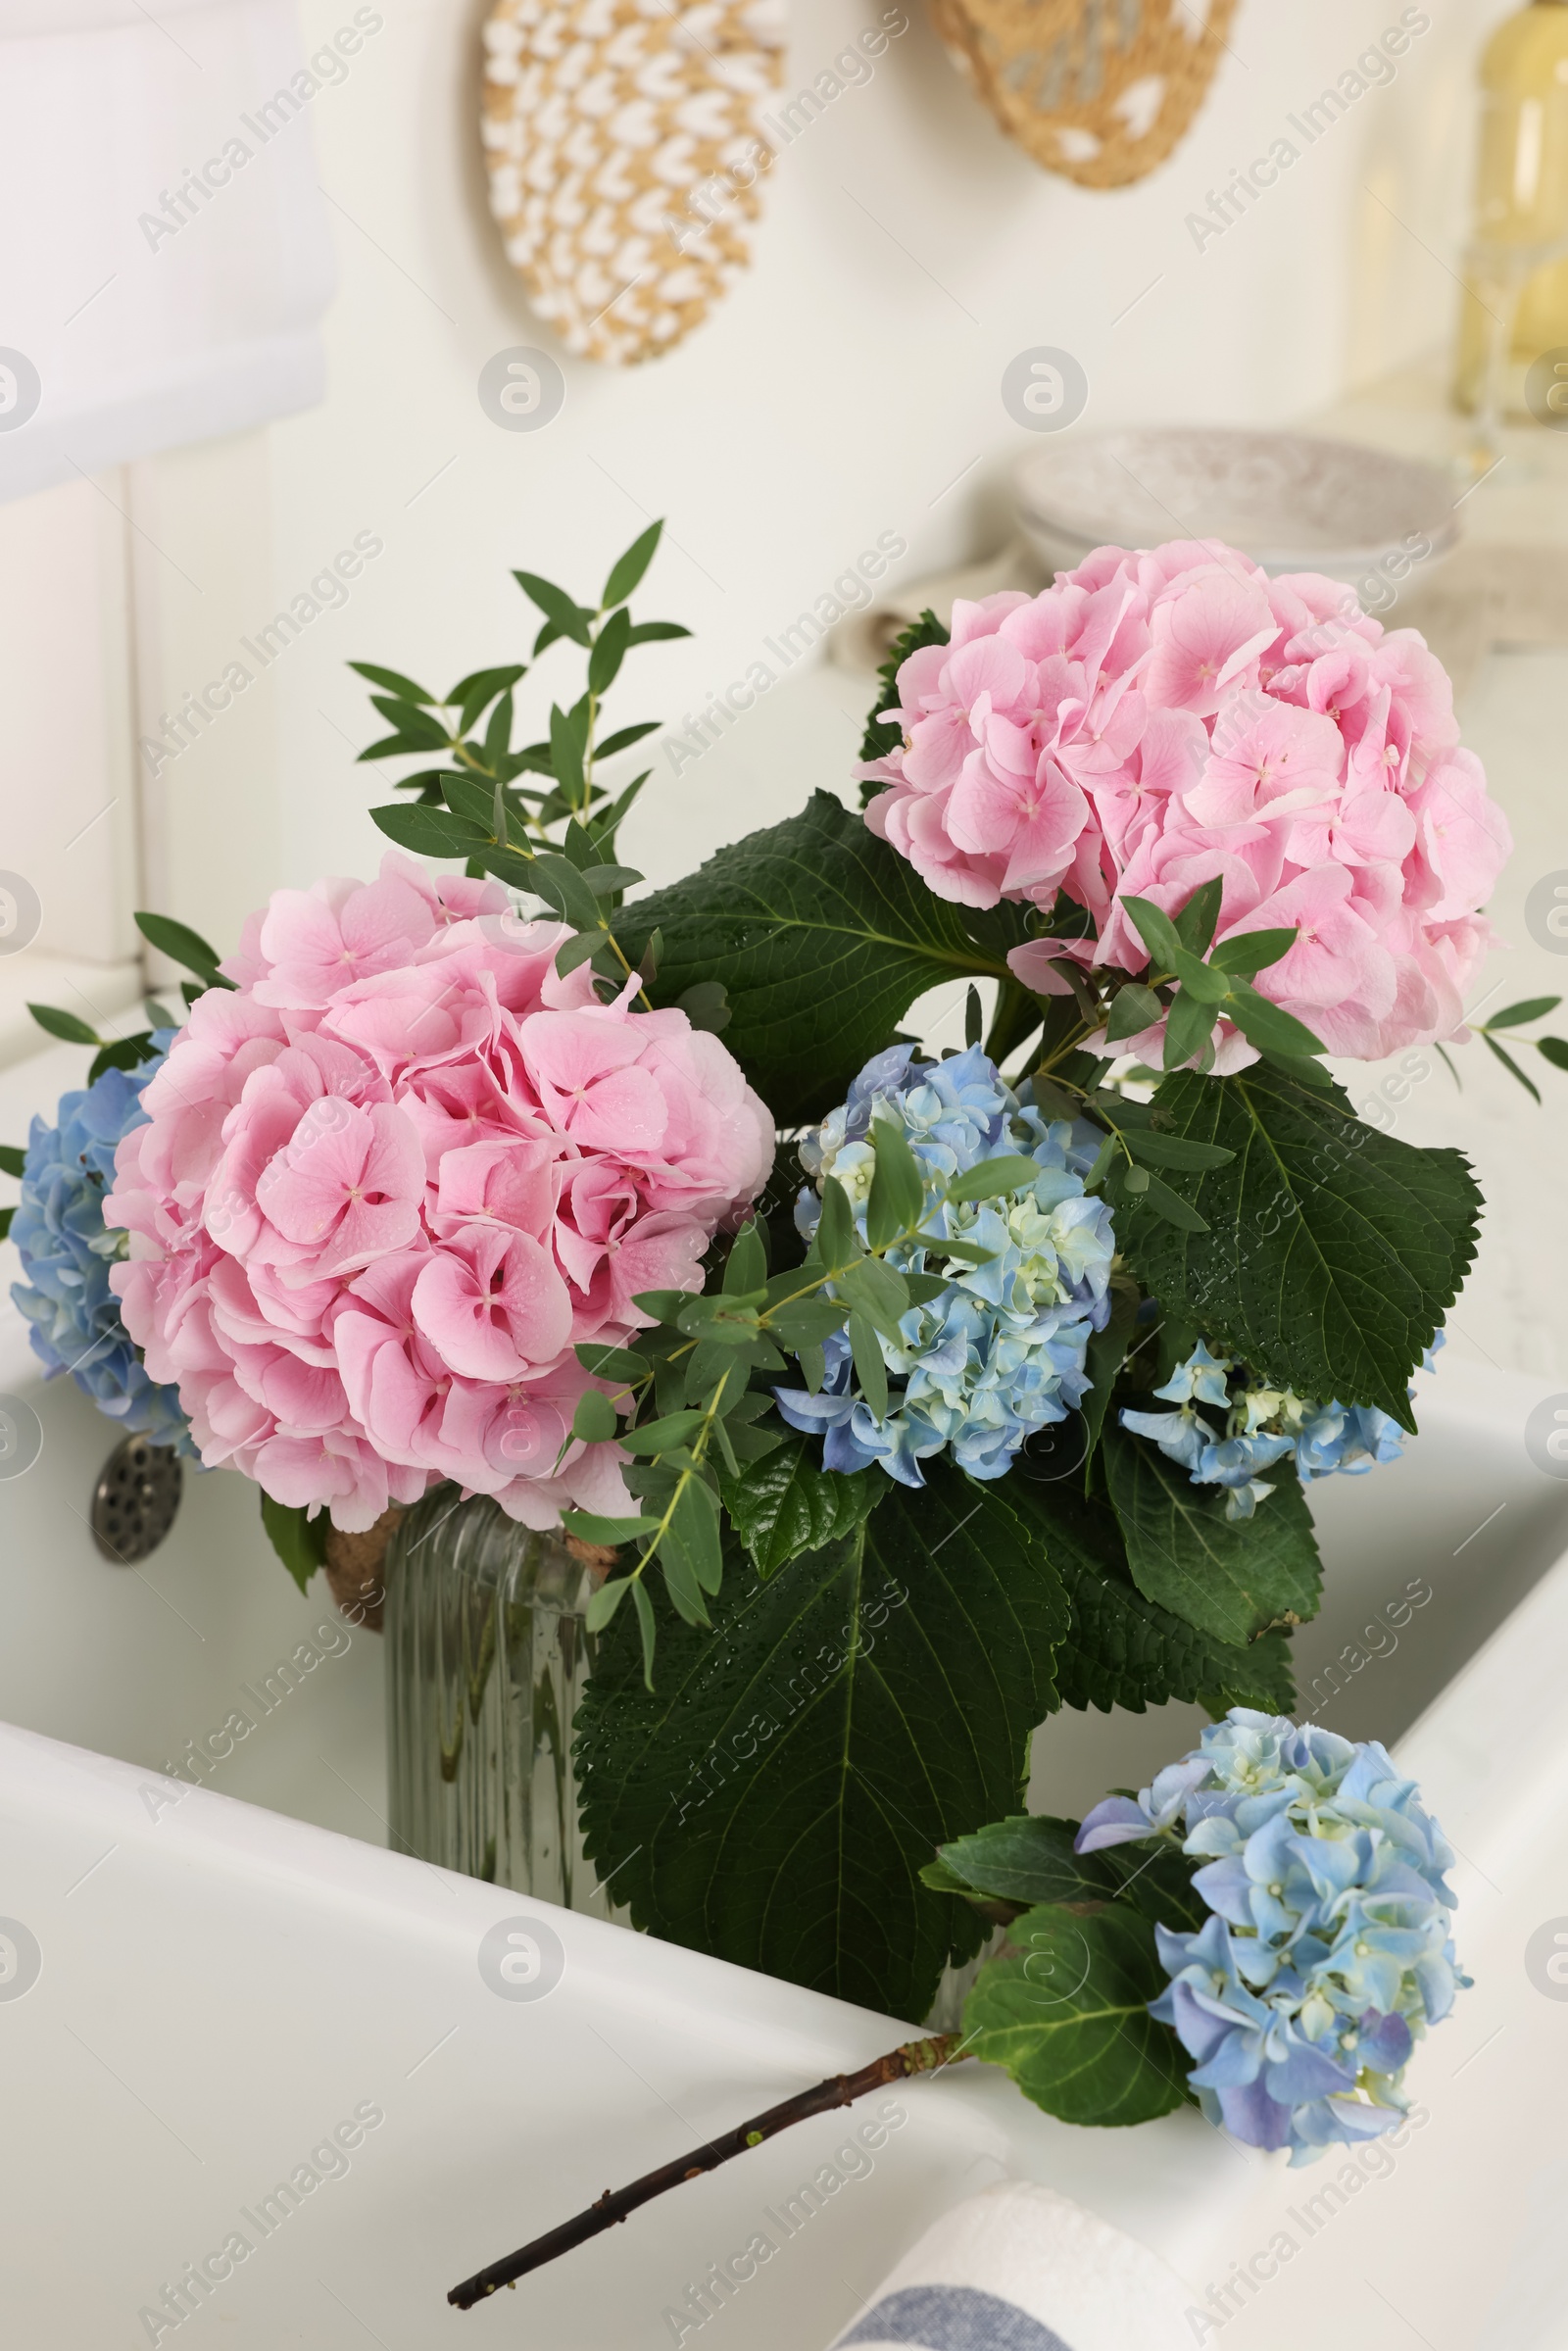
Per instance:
x=1516, y=270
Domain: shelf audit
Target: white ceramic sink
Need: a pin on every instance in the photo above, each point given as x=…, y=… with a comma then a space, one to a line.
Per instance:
x=221, y=1986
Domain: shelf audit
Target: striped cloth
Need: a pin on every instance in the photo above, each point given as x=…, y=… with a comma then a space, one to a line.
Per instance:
x=1022, y=2268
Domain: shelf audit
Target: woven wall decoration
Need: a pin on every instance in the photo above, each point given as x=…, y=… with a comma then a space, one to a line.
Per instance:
x=1099, y=90
x=625, y=155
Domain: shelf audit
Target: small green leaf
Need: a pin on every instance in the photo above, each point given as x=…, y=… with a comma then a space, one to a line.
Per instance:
x=1134, y=1010
x=1189, y=1028
x=556, y=879
x=606, y=881
x=1251, y=951
x=125, y=1052
x=808, y=1321
x=1195, y=924
x=626, y=571
x=662, y=1304
x=430, y=832
x=1173, y=1151
x=1210, y=987
x=595, y=1420
x=746, y=1267
x=184, y=947
x=579, y=948
x=605, y=1532
x=6, y=1215
x=416, y=729
x=567, y=619
x=1535, y=1008
x=1511, y=1066
x=656, y=632
x=993, y=1177
x=694, y=1524
x=610, y=650
x=897, y=1189
x=646, y=1629
x=12, y=1158
x=299, y=1541
x=498, y=734
x=837, y=1242
x=974, y=1024
x=969, y=1253
x=1157, y=931
x=680, y=1581
x=565, y=755
x=1264, y=1024
x=877, y=1291
x=625, y=737
x=393, y=681
x=1553, y=1048
x=662, y=1435
x=1167, y=1204
x=869, y=1368
x=602, y=1607
x=469, y=696
x=63, y=1024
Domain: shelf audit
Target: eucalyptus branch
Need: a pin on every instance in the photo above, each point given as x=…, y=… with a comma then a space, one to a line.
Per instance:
x=839, y=2089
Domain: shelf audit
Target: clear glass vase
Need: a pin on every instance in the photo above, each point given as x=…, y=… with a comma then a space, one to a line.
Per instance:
x=487, y=1656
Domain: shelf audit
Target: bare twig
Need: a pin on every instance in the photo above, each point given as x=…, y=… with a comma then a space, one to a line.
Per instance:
x=840, y=2090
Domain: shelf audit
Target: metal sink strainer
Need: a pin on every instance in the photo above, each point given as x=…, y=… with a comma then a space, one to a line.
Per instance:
x=134, y=1500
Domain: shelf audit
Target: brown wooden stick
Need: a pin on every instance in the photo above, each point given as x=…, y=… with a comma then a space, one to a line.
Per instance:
x=840, y=2090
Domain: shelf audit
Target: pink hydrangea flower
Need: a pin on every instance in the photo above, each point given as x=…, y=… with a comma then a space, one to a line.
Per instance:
x=394, y=1178
x=1156, y=720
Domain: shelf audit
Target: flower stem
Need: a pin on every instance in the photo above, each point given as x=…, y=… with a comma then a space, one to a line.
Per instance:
x=840, y=2090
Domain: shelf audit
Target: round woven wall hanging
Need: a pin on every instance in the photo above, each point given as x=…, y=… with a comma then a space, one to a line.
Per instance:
x=625, y=155
x=1099, y=90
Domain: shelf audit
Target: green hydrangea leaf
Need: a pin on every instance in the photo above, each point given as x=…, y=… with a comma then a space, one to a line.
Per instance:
x=788, y=1503
x=1332, y=1252
x=1228, y=1577
x=773, y=1800
x=1123, y=1648
x=1064, y=2010
x=822, y=937
x=882, y=735
x=1030, y=1859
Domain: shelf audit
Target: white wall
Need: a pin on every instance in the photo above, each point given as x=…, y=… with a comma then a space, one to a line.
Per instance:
x=907, y=252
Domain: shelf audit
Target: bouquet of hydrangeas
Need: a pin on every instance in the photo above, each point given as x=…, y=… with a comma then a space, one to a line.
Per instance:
x=916, y=1394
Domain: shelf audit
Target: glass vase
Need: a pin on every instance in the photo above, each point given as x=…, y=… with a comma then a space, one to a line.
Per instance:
x=487, y=1654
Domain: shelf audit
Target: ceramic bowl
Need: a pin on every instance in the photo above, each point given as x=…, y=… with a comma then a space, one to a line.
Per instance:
x=1289, y=501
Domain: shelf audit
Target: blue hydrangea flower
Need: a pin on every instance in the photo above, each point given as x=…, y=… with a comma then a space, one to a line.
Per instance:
x=1262, y=1426
x=1327, y=1952
x=67, y=1252
x=1001, y=1353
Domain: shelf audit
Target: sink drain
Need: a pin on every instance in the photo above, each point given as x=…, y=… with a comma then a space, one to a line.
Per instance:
x=134, y=1500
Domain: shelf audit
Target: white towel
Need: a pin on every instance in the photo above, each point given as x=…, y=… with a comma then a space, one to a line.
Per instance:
x=1019, y=2268
x=139, y=307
